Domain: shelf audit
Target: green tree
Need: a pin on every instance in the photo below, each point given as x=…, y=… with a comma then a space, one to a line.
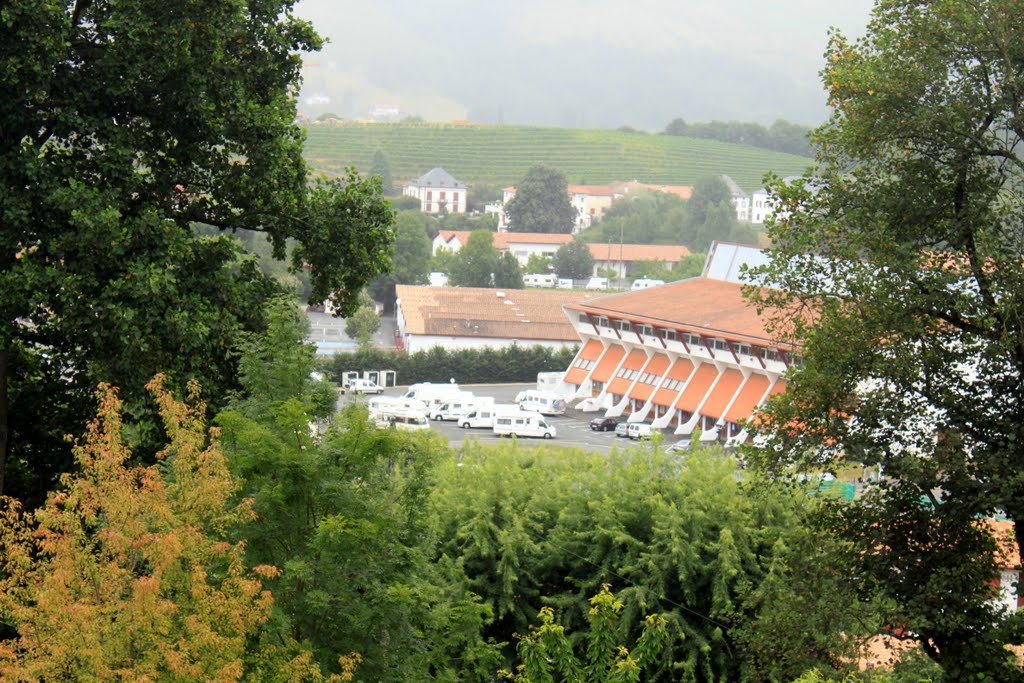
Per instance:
x=710, y=215
x=541, y=203
x=646, y=218
x=380, y=167
x=573, y=260
x=906, y=245
x=344, y=516
x=539, y=526
x=547, y=649
x=538, y=263
x=362, y=325
x=507, y=273
x=410, y=258
x=476, y=264
x=123, y=126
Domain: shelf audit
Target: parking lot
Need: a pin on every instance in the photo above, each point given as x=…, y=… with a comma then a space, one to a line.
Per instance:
x=573, y=427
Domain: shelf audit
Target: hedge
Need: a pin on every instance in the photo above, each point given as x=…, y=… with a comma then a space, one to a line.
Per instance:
x=513, y=364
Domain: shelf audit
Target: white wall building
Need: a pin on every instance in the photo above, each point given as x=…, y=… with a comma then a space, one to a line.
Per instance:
x=438, y=192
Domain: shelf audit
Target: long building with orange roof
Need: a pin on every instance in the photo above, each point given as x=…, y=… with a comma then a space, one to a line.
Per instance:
x=688, y=354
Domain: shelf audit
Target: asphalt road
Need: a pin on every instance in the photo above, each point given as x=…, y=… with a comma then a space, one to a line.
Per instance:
x=573, y=427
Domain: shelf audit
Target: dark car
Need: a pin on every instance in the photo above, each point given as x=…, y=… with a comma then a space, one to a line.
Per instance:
x=603, y=424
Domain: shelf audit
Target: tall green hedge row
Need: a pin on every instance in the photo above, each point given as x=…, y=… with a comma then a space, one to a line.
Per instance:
x=465, y=366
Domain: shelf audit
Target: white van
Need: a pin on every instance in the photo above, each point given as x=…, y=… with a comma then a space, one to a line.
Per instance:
x=523, y=424
x=639, y=430
x=597, y=283
x=434, y=395
x=361, y=386
x=483, y=417
x=545, y=402
x=540, y=279
x=646, y=283
x=454, y=409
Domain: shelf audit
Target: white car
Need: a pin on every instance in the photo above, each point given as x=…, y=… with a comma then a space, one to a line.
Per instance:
x=362, y=386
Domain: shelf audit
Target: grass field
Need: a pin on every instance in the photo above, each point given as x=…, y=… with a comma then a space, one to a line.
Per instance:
x=502, y=154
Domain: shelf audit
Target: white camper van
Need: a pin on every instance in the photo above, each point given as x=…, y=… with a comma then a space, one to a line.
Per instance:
x=483, y=417
x=523, y=424
x=456, y=408
x=379, y=405
x=434, y=395
x=403, y=419
x=546, y=402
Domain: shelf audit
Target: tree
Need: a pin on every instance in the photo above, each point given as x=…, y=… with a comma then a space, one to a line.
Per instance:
x=476, y=263
x=906, y=246
x=344, y=515
x=123, y=125
x=548, y=649
x=410, y=258
x=362, y=325
x=573, y=260
x=710, y=215
x=128, y=572
x=381, y=168
x=541, y=203
x=646, y=218
x=507, y=273
x=538, y=263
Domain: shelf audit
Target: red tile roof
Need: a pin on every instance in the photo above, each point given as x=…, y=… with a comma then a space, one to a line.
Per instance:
x=533, y=314
x=638, y=252
x=502, y=240
x=700, y=305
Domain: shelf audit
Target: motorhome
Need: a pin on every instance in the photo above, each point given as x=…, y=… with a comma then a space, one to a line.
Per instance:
x=402, y=419
x=523, y=424
x=646, y=283
x=483, y=417
x=456, y=408
x=540, y=279
x=382, y=404
x=434, y=395
x=545, y=402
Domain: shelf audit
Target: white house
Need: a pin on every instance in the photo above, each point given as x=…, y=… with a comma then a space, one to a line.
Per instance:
x=438, y=192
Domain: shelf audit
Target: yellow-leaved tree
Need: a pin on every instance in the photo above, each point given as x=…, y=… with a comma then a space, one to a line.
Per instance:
x=127, y=573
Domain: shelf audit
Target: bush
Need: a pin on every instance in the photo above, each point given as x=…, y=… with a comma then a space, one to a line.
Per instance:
x=512, y=364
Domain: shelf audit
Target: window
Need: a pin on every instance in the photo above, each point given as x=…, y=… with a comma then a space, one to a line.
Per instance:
x=646, y=329
x=442, y=196
x=429, y=195
x=603, y=322
x=692, y=339
x=719, y=345
x=744, y=349
x=624, y=325
x=583, y=318
x=670, y=335
x=771, y=354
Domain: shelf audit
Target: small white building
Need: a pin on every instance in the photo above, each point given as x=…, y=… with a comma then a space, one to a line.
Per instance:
x=438, y=192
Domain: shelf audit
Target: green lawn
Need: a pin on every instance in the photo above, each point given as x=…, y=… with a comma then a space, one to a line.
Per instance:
x=502, y=154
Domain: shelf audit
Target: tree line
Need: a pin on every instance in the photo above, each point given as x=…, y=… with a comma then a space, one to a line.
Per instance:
x=780, y=136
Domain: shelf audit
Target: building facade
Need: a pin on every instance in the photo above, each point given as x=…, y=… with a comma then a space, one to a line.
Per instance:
x=438, y=192
x=686, y=355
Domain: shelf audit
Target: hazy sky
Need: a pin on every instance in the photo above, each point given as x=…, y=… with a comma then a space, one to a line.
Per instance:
x=582, y=63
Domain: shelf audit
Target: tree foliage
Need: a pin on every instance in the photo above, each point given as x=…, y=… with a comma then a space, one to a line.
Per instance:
x=781, y=136
x=479, y=264
x=541, y=203
x=128, y=572
x=534, y=528
x=122, y=126
x=573, y=260
x=907, y=247
x=344, y=516
x=646, y=218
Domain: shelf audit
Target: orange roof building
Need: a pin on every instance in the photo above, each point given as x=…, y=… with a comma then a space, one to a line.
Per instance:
x=473, y=317
x=688, y=354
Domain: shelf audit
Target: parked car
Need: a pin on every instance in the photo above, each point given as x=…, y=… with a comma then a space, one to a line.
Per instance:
x=361, y=386
x=680, y=446
x=620, y=429
x=604, y=424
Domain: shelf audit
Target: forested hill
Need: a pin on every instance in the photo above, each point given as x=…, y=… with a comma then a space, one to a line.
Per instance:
x=502, y=154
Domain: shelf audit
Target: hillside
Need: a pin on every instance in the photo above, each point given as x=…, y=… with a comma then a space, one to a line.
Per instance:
x=502, y=154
